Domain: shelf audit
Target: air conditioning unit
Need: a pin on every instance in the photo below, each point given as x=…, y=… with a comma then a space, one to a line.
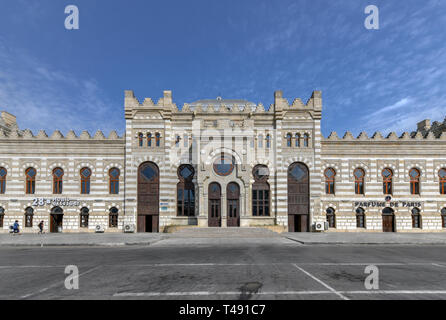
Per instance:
x=129, y=228
x=319, y=226
x=99, y=229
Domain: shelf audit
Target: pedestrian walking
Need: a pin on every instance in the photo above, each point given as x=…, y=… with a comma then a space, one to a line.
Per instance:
x=41, y=224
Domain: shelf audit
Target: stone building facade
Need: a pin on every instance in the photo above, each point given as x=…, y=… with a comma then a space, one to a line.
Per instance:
x=222, y=163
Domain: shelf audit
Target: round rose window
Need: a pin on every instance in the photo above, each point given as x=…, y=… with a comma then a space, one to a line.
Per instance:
x=224, y=165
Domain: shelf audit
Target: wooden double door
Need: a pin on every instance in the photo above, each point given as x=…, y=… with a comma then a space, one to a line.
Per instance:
x=298, y=198
x=388, y=220
x=148, y=198
x=232, y=202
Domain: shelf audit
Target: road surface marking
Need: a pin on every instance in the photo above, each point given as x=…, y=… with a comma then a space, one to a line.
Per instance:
x=322, y=283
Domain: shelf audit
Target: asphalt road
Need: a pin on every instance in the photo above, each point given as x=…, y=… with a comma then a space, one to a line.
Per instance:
x=240, y=269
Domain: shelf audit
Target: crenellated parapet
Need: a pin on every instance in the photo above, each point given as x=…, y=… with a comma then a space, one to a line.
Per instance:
x=377, y=136
x=57, y=135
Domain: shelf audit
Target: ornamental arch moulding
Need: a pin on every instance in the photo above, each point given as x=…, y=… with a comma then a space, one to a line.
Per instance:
x=389, y=165
x=55, y=165
x=359, y=165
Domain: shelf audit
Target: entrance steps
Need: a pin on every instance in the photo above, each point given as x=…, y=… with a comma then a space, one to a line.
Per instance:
x=239, y=232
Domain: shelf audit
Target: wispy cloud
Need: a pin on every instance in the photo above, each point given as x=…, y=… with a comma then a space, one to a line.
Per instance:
x=45, y=98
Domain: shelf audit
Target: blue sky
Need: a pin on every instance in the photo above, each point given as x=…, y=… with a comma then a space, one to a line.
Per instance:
x=387, y=79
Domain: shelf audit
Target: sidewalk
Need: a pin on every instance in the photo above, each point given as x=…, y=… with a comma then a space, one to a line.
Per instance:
x=217, y=236
x=80, y=239
x=367, y=238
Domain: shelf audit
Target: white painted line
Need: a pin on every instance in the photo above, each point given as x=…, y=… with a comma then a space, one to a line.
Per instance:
x=322, y=283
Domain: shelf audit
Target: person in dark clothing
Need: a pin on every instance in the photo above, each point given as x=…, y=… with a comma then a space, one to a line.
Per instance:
x=16, y=227
x=41, y=227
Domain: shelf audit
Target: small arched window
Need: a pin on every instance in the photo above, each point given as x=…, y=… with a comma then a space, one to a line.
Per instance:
x=57, y=180
x=359, y=180
x=387, y=175
x=297, y=140
x=185, y=141
x=113, y=217
x=114, y=174
x=288, y=140
x=149, y=139
x=31, y=180
x=442, y=176
x=306, y=140
x=416, y=218
x=177, y=141
x=140, y=139
x=414, y=175
x=2, y=216
x=443, y=218
x=330, y=174
x=29, y=213
x=85, y=213
x=85, y=180
x=158, y=139
x=260, y=140
x=268, y=141
x=331, y=218
x=360, y=218
x=3, y=173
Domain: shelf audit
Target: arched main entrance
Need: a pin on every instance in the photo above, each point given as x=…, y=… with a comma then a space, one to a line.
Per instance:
x=388, y=220
x=148, y=197
x=214, y=205
x=233, y=200
x=56, y=220
x=298, y=198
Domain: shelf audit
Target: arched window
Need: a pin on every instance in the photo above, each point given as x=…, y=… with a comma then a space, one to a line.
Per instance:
x=260, y=191
x=85, y=180
x=85, y=213
x=149, y=139
x=416, y=218
x=330, y=174
x=57, y=180
x=140, y=139
x=29, y=213
x=360, y=218
x=443, y=218
x=387, y=175
x=31, y=180
x=158, y=139
x=185, y=141
x=414, y=175
x=442, y=176
x=359, y=180
x=331, y=218
x=3, y=173
x=2, y=216
x=297, y=140
x=261, y=141
x=288, y=140
x=177, y=141
x=113, y=174
x=268, y=141
x=306, y=140
x=186, y=191
x=113, y=217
